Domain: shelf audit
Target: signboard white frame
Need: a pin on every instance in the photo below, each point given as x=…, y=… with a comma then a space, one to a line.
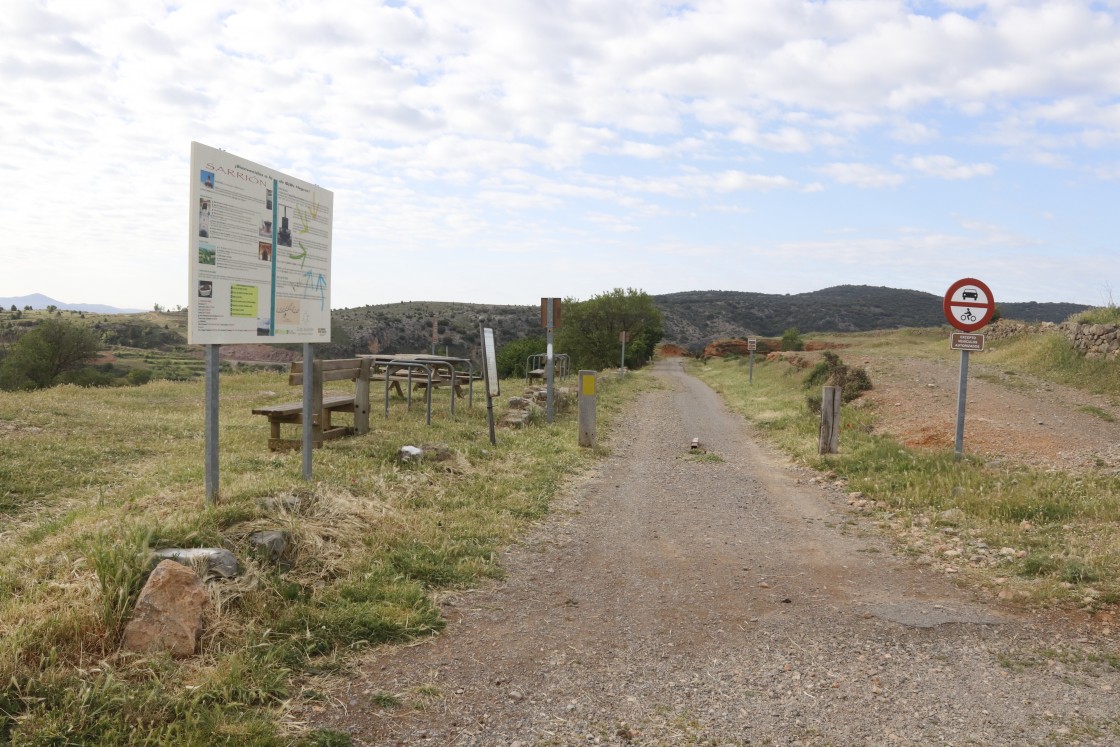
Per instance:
x=259, y=253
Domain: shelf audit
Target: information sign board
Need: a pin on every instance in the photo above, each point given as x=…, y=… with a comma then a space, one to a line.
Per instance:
x=259, y=253
x=968, y=304
x=752, y=343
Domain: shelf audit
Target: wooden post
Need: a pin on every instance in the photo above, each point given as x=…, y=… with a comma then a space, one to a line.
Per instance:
x=361, y=398
x=830, y=420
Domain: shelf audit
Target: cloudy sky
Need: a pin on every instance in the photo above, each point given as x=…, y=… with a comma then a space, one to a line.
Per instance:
x=502, y=150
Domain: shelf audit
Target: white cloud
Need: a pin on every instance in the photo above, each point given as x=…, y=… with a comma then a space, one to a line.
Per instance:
x=444, y=119
x=946, y=167
x=862, y=175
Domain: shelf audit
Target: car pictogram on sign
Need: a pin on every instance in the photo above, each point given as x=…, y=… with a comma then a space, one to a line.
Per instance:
x=970, y=294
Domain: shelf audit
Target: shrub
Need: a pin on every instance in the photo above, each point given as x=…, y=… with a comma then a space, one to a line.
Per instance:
x=791, y=340
x=834, y=372
x=138, y=376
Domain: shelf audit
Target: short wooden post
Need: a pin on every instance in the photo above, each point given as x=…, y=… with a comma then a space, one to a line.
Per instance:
x=361, y=398
x=587, y=408
x=830, y=420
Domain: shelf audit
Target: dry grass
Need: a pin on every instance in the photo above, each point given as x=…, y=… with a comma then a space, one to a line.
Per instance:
x=91, y=479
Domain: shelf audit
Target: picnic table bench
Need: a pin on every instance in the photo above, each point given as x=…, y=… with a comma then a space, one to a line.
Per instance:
x=535, y=366
x=322, y=406
x=416, y=371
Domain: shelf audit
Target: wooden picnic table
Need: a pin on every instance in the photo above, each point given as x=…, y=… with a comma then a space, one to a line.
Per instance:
x=445, y=371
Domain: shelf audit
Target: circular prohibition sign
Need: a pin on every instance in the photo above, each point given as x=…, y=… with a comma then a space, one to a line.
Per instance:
x=968, y=304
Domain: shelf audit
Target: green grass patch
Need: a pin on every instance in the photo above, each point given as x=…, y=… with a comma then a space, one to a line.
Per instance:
x=94, y=479
x=1097, y=412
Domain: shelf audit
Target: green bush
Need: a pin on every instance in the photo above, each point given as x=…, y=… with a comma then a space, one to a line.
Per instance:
x=513, y=356
x=834, y=372
x=791, y=340
x=139, y=376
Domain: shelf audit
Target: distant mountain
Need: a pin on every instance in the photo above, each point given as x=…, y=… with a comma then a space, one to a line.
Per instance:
x=691, y=319
x=697, y=317
x=39, y=301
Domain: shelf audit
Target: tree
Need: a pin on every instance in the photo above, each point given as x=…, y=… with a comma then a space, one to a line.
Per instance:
x=39, y=357
x=589, y=329
x=791, y=340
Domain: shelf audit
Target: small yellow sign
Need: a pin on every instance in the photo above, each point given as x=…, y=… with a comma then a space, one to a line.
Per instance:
x=587, y=385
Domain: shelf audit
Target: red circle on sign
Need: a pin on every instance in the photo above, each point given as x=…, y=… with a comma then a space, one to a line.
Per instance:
x=968, y=304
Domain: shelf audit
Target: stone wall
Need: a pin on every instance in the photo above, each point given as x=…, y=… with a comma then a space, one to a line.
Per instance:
x=1094, y=341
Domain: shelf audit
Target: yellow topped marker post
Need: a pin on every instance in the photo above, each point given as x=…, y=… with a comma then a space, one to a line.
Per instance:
x=587, y=408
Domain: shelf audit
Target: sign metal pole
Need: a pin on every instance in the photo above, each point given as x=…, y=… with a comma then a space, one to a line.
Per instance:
x=212, y=424
x=550, y=404
x=308, y=409
x=962, y=398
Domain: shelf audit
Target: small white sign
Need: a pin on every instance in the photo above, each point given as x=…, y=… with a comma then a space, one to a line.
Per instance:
x=964, y=341
x=491, y=359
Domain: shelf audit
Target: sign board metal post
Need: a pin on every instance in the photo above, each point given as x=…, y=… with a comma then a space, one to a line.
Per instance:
x=310, y=378
x=212, y=424
x=550, y=318
x=962, y=301
x=962, y=398
x=752, y=345
x=587, y=408
x=490, y=374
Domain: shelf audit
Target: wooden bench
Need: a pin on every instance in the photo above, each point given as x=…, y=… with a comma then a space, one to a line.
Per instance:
x=322, y=406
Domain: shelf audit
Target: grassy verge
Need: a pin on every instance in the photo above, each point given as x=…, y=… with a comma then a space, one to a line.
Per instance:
x=91, y=480
x=1038, y=536
x=1051, y=357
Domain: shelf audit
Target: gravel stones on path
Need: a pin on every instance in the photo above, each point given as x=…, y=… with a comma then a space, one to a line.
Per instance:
x=719, y=598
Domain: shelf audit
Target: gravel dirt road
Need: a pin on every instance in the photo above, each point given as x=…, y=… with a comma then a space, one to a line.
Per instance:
x=718, y=597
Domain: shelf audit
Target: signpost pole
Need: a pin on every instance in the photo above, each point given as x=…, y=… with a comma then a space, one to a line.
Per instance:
x=750, y=379
x=308, y=408
x=212, y=424
x=550, y=405
x=962, y=398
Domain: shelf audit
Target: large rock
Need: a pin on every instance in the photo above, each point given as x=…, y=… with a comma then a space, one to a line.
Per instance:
x=169, y=612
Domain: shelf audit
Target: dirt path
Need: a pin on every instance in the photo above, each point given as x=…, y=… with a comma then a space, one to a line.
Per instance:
x=722, y=599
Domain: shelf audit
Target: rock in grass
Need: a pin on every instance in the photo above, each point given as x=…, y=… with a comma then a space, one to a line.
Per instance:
x=270, y=546
x=410, y=454
x=169, y=612
x=951, y=517
x=214, y=561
